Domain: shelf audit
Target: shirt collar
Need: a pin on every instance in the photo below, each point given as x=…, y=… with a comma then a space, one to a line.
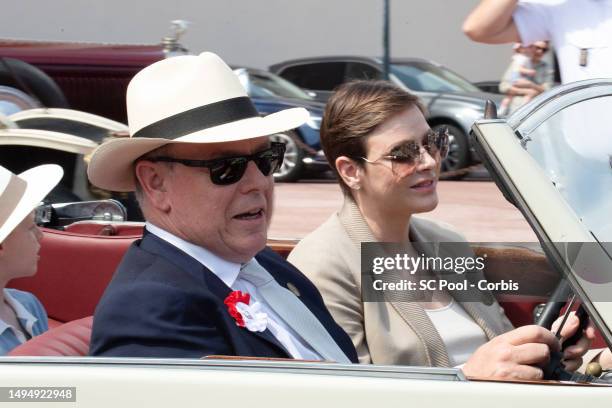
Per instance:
x=225, y=270
x=26, y=319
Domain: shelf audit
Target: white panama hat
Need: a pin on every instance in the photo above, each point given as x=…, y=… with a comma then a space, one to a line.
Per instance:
x=183, y=99
x=20, y=194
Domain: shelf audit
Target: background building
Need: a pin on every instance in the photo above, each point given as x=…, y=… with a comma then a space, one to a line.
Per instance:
x=259, y=33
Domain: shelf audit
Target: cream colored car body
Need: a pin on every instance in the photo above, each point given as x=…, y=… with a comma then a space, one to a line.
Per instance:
x=197, y=383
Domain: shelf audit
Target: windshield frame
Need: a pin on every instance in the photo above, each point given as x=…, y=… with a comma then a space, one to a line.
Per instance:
x=529, y=116
x=527, y=186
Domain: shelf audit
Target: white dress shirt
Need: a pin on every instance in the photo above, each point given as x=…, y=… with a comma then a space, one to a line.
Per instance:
x=229, y=273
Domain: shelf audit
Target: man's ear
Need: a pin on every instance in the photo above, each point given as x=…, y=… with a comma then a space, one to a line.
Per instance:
x=153, y=179
x=349, y=171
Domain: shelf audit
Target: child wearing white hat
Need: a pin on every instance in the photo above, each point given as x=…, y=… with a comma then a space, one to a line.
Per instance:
x=22, y=316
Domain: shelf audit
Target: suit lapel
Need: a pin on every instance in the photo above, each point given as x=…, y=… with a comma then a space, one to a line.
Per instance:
x=411, y=312
x=221, y=290
x=188, y=264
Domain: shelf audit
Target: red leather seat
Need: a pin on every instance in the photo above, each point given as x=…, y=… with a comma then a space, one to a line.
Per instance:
x=70, y=339
x=124, y=229
x=73, y=271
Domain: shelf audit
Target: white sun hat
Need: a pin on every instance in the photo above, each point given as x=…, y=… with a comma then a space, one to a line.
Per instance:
x=21, y=194
x=183, y=99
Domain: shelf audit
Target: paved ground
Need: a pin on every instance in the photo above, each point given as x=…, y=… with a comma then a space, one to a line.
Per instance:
x=475, y=208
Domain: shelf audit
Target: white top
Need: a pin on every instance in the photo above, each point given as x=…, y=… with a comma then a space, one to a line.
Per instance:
x=460, y=334
x=571, y=26
x=229, y=273
x=520, y=61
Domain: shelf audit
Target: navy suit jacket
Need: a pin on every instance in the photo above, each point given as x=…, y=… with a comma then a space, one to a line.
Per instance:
x=162, y=302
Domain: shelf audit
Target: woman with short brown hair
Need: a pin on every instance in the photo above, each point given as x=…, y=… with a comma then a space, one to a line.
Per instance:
x=387, y=160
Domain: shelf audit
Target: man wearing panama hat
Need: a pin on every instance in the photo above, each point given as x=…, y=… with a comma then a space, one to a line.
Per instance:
x=22, y=316
x=201, y=282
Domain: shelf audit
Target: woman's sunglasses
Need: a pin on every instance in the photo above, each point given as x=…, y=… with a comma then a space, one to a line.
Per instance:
x=229, y=170
x=405, y=157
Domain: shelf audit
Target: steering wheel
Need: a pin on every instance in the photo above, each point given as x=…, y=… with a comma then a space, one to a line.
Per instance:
x=555, y=303
x=554, y=370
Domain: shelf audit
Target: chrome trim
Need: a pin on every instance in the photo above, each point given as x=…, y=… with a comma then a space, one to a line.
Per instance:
x=106, y=211
x=490, y=110
x=172, y=42
x=111, y=223
x=489, y=121
x=47, y=139
x=70, y=114
x=542, y=100
x=289, y=367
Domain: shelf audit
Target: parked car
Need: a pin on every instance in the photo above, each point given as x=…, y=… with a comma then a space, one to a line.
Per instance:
x=22, y=149
x=451, y=100
x=70, y=282
x=24, y=144
x=93, y=78
x=488, y=86
x=271, y=93
x=86, y=76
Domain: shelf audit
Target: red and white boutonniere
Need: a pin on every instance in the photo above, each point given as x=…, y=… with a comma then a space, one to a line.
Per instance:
x=245, y=314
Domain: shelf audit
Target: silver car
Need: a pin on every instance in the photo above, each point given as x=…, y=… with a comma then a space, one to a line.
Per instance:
x=451, y=100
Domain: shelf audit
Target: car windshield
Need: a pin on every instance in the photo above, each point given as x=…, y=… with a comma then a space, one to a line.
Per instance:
x=427, y=77
x=263, y=86
x=574, y=147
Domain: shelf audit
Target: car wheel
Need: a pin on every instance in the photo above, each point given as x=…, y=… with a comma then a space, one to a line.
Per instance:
x=458, y=151
x=292, y=166
x=12, y=100
x=31, y=80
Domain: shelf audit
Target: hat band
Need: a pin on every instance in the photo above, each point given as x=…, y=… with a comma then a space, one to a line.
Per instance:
x=11, y=197
x=200, y=118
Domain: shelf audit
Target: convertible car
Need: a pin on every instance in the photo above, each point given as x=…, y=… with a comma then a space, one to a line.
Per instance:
x=551, y=159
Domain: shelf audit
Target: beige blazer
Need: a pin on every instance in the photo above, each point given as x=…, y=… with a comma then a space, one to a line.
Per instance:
x=395, y=333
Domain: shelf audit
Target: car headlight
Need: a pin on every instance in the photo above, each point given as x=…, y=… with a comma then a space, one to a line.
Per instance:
x=314, y=122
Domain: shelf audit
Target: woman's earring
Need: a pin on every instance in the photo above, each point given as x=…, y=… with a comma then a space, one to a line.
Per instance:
x=355, y=186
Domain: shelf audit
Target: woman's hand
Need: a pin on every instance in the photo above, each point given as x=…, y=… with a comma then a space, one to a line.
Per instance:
x=605, y=359
x=515, y=355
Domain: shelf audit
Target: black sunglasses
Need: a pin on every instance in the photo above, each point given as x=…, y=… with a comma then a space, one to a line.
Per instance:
x=229, y=170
